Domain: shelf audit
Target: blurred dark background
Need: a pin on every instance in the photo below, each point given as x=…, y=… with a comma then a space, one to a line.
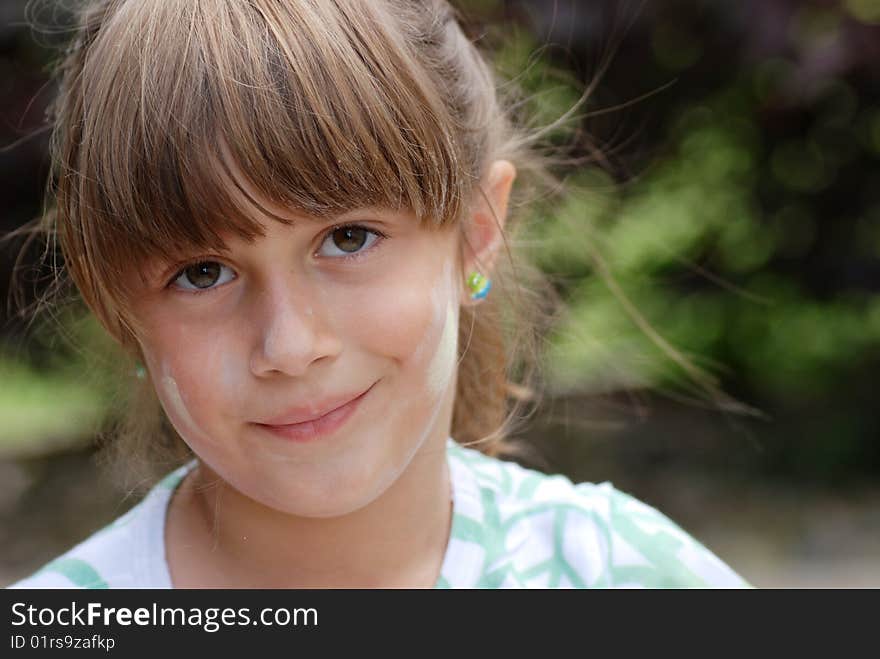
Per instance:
x=725, y=216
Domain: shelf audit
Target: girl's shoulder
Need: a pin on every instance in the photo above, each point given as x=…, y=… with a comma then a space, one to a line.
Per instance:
x=546, y=531
x=127, y=553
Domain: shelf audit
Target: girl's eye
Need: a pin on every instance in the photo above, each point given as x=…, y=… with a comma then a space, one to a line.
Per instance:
x=202, y=275
x=350, y=240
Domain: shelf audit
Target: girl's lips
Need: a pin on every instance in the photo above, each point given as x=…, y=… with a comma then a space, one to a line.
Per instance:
x=320, y=427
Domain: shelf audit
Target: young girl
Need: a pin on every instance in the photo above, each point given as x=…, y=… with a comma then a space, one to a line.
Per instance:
x=292, y=215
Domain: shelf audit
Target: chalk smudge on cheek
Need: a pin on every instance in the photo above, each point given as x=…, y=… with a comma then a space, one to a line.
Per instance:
x=436, y=296
x=443, y=363
x=178, y=407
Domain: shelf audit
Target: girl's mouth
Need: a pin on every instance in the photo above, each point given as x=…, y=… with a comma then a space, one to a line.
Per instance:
x=320, y=427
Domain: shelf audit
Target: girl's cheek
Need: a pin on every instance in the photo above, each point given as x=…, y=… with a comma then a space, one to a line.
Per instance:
x=176, y=408
x=438, y=345
x=232, y=374
x=185, y=382
x=392, y=319
x=443, y=362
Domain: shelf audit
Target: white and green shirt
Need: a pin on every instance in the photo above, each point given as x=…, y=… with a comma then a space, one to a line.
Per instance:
x=511, y=528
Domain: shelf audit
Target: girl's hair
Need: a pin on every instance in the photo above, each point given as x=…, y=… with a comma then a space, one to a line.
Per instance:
x=327, y=105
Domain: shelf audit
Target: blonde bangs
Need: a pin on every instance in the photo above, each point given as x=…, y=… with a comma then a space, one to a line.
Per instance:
x=318, y=116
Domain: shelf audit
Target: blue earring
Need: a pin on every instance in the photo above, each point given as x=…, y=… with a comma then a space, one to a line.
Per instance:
x=139, y=371
x=478, y=285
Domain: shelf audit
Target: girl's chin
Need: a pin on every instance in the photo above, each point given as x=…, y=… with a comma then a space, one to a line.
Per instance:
x=319, y=509
x=318, y=499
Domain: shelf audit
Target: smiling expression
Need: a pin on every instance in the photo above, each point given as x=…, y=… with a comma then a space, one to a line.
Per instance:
x=300, y=316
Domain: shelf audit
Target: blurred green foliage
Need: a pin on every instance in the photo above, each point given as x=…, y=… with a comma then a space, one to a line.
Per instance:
x=44, y=411
x=718, y=245
x=62, y=390
x=694, y=212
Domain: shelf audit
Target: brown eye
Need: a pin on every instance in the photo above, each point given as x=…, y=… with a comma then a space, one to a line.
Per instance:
x=350, y=239
x=201, y=276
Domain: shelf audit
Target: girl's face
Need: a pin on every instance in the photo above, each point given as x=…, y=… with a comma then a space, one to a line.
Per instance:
x=304, y=317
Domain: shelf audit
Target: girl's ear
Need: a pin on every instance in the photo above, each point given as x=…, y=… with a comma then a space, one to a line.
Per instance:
x=483, y=228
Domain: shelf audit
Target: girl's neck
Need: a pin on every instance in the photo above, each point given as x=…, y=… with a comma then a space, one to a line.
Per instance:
x=217, y=537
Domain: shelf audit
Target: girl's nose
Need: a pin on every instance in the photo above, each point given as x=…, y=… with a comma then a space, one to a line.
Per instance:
x=293, y=334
